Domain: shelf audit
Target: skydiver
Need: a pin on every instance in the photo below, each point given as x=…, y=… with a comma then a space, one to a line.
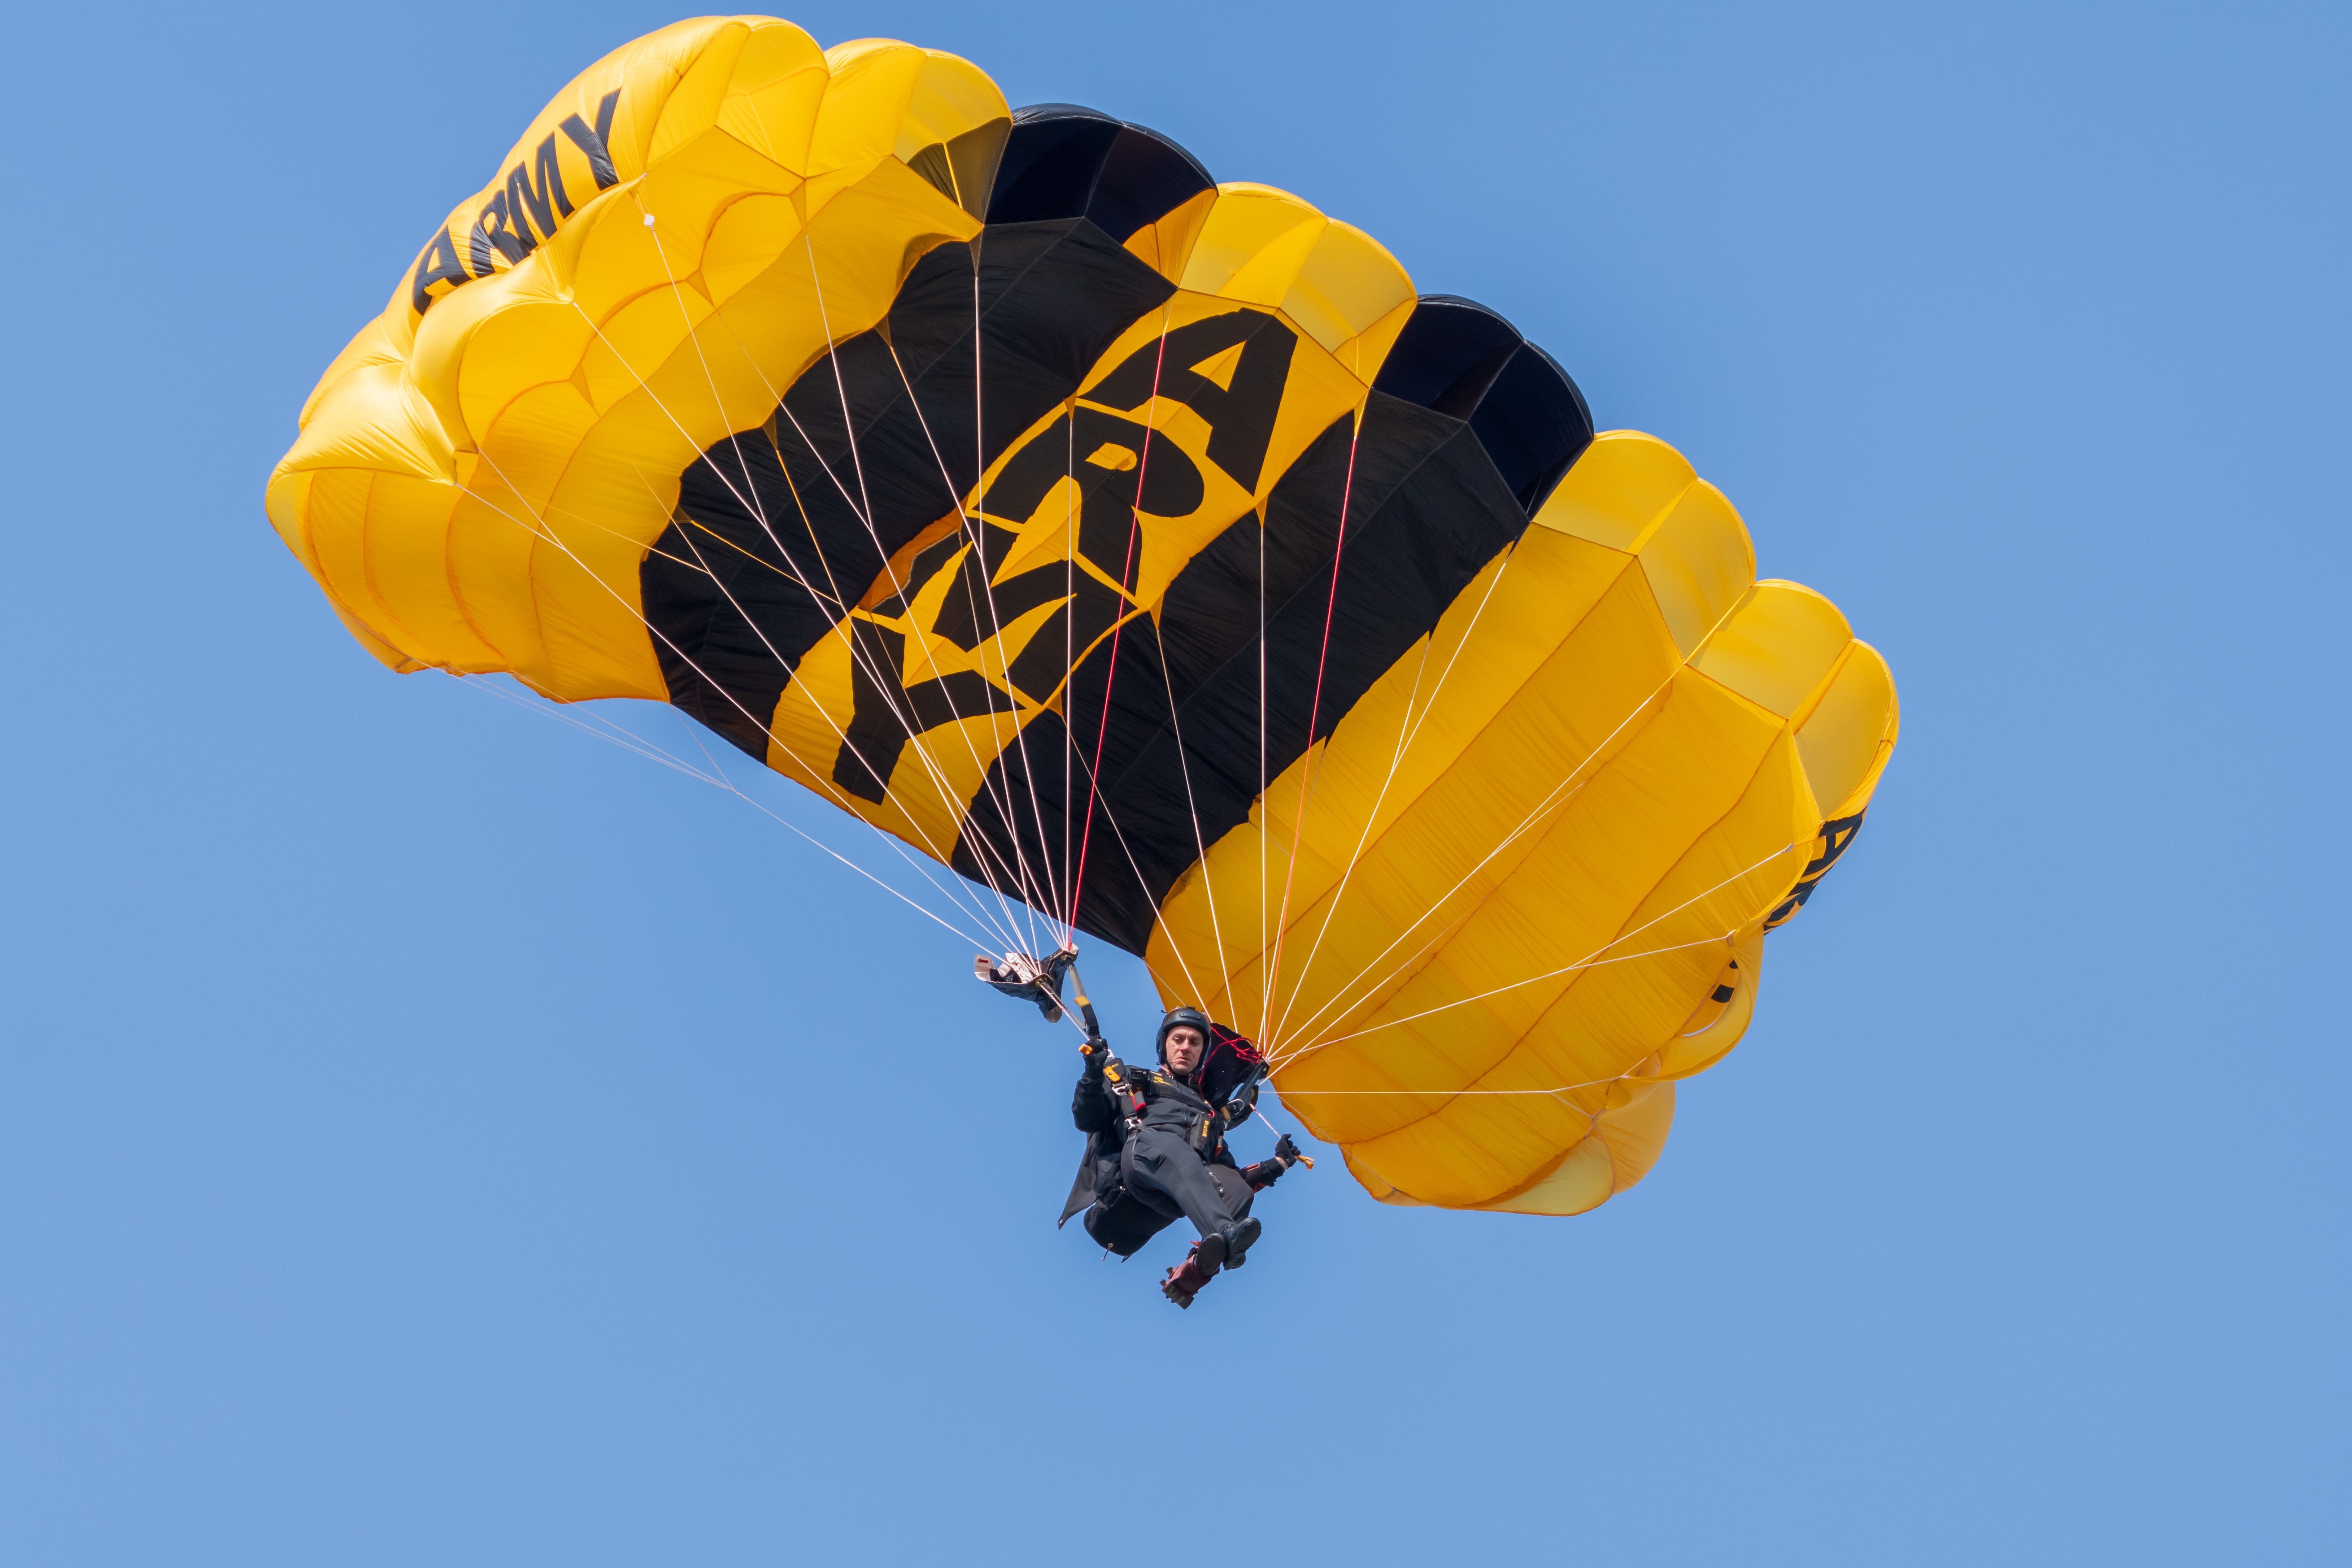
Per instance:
x=1156, y=1140
x=1156, y=1149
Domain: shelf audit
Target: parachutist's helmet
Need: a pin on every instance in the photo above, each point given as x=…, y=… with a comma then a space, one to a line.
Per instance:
x=1180, y=1018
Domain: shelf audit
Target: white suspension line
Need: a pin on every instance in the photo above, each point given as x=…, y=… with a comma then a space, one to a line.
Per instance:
x=754, y=507
x=1589, y=961
x=1525, y=823
x=833, y=352
x=1266, y=826
x=702, y=564
x=982, y=851
x=1312, y=766
x=1192, y=807
x=757, y=509
x=839, y=732
x=1511, y=838
x=980, y=481
x=1134, y=535
x=652, y=753
x=1119, y=832
x=1579, y=967
x=1556, y=1091
x=547, y=535
x=1069, y=634
x=1408, y=731
x=975, y=532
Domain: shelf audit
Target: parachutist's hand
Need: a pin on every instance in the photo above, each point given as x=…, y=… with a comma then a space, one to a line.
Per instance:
x=1096, y=1051
x=1286, y=1151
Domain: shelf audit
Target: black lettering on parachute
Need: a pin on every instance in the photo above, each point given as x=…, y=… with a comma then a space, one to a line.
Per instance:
x=1110, y=471
x=1240, y=414
x=537, y=186
x=515, y=220
x=882, y=718
x=597, y=143
x=438, y=264
x=1835, y=836
x=492, y=227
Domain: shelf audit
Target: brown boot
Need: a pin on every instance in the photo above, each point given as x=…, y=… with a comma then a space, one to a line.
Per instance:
x=1184, y=1281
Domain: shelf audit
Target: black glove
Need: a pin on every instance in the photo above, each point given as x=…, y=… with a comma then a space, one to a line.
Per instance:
x=1286, y=1151
x=1098, y=1051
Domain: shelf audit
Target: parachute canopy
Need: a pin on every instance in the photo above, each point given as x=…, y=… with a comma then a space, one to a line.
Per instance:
x=1146, y=548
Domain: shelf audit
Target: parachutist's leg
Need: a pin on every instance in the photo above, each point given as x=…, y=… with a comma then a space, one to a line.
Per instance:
x=1218, y=1210
x=1166, y=1167
x=1234, y=1189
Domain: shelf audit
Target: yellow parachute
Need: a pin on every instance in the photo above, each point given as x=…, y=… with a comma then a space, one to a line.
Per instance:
x=1148, y=550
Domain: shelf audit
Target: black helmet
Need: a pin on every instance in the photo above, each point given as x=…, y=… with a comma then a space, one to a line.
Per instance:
x=1183, y=1017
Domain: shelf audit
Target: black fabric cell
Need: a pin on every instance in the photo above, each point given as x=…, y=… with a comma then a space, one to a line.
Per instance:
x=1063, y=161
x=1144, y=178
x=1533, y=422
x=1448, y=354
x=1050, y=162
x=1459, y=358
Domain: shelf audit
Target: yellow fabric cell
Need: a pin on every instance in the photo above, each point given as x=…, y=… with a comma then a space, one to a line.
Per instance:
x=380, y=651
x=407, y=560
x=1699, y=563
x=1468, y=779
x=525, y=346
x=1582, y=1179
x=692, y=106
x=1704, y=1040
x=1777, y=648
x=1620, y=488
x=1252, y=245
x=772, y=95
x=334, y=519
x=1473, y=1147
x=373, y=347
x=1846, y=738
x=1166, y=244
x=749, y=237
x=893, y=100
x=1514, y=790
x=1361, y=355
x=1347, y=282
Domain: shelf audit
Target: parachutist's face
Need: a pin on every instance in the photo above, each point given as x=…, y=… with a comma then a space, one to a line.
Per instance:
x=1185, y=1046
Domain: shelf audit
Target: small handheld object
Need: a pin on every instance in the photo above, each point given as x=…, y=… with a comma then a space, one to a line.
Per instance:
x=1031, y=979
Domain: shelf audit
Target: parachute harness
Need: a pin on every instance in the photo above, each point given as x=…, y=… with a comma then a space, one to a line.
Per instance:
x=1040, y=981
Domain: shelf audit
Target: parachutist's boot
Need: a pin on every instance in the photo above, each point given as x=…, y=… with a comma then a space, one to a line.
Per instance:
x=1239, y=1239
x=1184, y=1281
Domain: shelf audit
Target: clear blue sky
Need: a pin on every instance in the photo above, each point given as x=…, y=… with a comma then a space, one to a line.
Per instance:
x=427, y=1136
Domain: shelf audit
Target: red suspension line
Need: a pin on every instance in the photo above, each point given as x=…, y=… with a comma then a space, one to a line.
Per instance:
x=1110, y=681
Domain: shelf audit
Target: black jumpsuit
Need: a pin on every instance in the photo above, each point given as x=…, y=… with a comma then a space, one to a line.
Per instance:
x=1173, y=1163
